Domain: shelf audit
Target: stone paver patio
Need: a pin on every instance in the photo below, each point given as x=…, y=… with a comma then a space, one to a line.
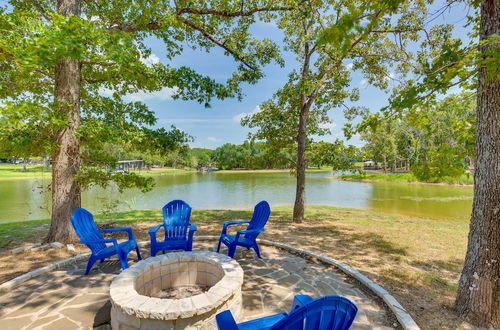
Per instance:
x=66, y=299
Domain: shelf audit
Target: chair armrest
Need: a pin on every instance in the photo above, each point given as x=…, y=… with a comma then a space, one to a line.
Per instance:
x=299, y=301
x=112, y=230
x=230, y=223
x=192, y=230
x=226, y=321
x=104, y=240
x=248, y=231
x=153, y=230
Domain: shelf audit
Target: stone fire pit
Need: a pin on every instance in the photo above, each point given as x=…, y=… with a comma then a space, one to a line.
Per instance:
x=196, y=286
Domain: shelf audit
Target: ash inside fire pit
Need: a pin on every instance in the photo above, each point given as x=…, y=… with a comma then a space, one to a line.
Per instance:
x=181, y=292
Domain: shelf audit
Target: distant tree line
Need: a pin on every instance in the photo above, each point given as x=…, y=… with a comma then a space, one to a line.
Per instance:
x=248, y=155
x=430, y=141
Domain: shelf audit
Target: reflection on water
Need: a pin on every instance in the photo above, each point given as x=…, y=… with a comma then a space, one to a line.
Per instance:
x=28, y=199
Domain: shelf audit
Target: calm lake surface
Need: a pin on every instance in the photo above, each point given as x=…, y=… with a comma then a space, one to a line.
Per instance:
x=28, y=199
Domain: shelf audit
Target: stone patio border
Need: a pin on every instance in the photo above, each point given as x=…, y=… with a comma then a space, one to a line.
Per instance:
x=39, y=271
x=401, y=314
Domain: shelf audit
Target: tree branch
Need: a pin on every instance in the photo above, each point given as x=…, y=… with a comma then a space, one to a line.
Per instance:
x=98, y=63
x=239, y=13
x=337, y=62
x=131, y=28
x=40, y=9
x=217, y=42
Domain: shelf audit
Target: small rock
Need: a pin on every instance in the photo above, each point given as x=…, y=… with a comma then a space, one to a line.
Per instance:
x=25, y=247
x=70, y=247
x=41, y=247
x=19, y=249
x=56, y=245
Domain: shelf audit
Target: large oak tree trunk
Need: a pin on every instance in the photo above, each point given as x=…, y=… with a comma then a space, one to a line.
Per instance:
x=66, y=160
x=478, y=298
x=298, y=208
x=305, y=105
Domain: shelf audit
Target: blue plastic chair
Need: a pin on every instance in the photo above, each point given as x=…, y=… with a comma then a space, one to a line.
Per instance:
x=246, y=238
x=178, y=231
x=325, y=313
x=86, y=229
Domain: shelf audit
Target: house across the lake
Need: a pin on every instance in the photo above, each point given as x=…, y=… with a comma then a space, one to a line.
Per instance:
x=128, y=165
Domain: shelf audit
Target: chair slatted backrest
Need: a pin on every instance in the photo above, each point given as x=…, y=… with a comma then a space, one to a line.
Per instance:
x=85, y=227
x=325, y=313
x=260, y=216
x=176, y=216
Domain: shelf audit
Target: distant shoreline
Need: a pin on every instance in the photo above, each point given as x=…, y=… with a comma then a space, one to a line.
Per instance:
x=385, y=177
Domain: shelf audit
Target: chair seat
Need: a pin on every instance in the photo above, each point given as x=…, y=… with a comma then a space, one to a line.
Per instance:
x=262, y=323
x=242, y=241
x=126, y=247
x=172, y=243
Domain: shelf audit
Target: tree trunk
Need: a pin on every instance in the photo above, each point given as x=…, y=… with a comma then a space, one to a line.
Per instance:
x=66, y=159
x=298, y=208
x=478, y=298
x=305, y=105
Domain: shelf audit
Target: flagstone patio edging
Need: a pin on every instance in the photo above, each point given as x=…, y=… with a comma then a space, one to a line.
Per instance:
x=4, y=287
x=401, y=314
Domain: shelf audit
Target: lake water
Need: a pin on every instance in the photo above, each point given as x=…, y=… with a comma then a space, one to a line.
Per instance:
x=28, y=199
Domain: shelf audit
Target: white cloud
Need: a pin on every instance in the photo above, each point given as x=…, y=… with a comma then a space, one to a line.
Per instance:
x=212, y=139
x=240, y=116
x=165, y=93
x=363, y=83
x=150, y=60
x=330, y=125
x=349, y=66
x=105, y=92
x=390, y=76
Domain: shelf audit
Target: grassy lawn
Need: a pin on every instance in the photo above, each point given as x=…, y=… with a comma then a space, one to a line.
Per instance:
x=12, y=171
x=403, y=177
x=309, y=169
x=39, y=171
x=164, y=170
x=417, y=259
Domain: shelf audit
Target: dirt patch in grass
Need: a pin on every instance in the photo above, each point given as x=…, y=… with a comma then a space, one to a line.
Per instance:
x=417, y=260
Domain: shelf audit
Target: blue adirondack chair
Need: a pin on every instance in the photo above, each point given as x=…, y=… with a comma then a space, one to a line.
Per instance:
x=86, y=229
x=178, y=231
x=246, y=238
x=328, y=312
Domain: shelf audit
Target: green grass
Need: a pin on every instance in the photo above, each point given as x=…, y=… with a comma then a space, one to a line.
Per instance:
x=417, y=259
x=404, y=177
x=309, y=169
x=39, y=171
x=13, y=234
x=165, y=170
x=17, y=171
x=386, y=233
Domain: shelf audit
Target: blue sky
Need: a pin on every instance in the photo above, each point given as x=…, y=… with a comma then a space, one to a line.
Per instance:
x=220, y=124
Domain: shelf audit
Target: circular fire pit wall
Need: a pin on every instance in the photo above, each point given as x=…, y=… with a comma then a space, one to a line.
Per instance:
x=177, y=290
